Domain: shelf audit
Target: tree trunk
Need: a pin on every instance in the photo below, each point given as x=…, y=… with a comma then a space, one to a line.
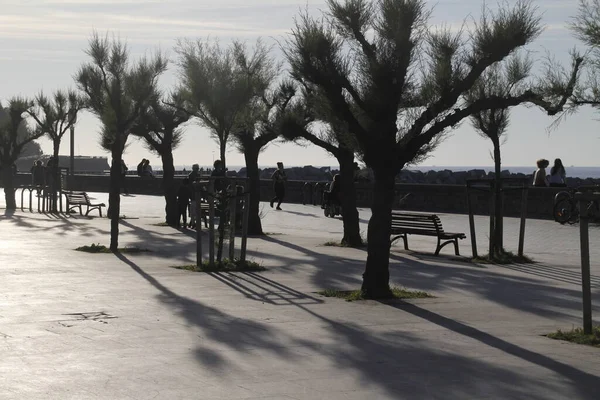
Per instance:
x=251, y=157
x=348, y=193
x=376, y=279
x=9, y=187
x=222, y=148
x=114, y=197
x=498, y=234
x=169, y=188
x=55, y=176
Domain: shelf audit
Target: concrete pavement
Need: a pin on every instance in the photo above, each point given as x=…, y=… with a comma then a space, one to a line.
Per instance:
x=81, y=326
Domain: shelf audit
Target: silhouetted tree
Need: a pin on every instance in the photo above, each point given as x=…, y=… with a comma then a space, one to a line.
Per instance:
x=160, y=128
x=55, y=117
x=257, y=122
x=586, y=27
x=331, y=135
x=14, y=136
x=399, y=87
x=31, y=149
x=117, y=92
x=492, y=124
x=216, y=84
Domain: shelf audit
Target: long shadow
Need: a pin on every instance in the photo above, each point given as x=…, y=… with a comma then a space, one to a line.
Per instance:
x=235, y=333
x=301, y=213
x=58, y=222
x=162, y=244
x=520, y=293
x=586, y=384
x=553, y=273
x=368, y=347
x=404, y=365
x=259, y=288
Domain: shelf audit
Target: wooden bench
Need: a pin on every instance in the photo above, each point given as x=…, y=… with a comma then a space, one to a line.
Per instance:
x=79, y=199
x=405, y=223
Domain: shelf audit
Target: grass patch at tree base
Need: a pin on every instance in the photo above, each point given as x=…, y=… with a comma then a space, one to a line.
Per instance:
x=354, y=295
x=576, y=335
x=161, y=224
x=506, y=257
x=225, y=265
x=100, y=248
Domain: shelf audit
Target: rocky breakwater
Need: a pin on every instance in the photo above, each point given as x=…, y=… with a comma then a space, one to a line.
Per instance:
x=306, y=173
x=448, y=177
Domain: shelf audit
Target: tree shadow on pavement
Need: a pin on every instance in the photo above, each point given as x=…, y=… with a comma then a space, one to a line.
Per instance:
x=435, y=275
x=585, y=383
x=260, y=288
x=234, y=333
x=406, y=365
x=164, y=242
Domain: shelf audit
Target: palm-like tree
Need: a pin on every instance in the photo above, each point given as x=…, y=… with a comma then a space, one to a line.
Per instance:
x=160, y=128
x=258, y=125
x=219, y=83
x=498, y=81
x=332, y=136
x=586, y=27
x=117, y=92
x=55, y=116
x=15, y=134
x=399, y=86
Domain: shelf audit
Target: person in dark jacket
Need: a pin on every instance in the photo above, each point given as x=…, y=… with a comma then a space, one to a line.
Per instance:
x=279, y=180
x=195, y=174
x=219, y=171
x=184, y=196
x=38, y=175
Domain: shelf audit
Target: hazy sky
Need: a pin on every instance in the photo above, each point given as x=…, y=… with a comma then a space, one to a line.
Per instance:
x=42, y=44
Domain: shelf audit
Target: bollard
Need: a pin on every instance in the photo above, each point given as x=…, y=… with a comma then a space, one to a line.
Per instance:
x=198, y=228
x=524, y=195
x=585, y=261
x=471, y=224
x=232, y=209
x=246, y=217
x=211, y=225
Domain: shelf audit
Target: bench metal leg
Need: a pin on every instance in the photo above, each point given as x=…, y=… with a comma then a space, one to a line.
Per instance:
x=441, y=245
x=404, y=239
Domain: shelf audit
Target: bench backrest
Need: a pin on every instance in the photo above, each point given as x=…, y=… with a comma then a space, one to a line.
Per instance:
x=429, y=223
x=77, y=197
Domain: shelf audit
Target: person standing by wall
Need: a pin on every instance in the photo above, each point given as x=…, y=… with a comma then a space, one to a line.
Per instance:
x=38, y=175
x=279, y=180
x=195, y=174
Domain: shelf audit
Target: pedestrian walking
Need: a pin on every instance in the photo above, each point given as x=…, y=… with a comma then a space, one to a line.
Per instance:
x=279, y=180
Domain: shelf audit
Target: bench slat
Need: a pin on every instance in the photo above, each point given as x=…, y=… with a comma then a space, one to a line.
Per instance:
x=404, y=224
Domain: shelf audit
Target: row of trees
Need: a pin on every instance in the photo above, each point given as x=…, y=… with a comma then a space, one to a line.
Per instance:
x=369, y=79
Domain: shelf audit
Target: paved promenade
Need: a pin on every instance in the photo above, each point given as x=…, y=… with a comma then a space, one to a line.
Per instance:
x=83, y=326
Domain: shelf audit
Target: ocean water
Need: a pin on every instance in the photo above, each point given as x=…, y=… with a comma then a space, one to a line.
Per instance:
x=572, y=171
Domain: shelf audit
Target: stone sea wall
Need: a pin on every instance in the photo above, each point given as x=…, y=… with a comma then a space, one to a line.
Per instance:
x=436, y=198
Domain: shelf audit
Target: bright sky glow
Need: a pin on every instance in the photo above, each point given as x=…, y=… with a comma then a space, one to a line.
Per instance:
x=42, y=45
